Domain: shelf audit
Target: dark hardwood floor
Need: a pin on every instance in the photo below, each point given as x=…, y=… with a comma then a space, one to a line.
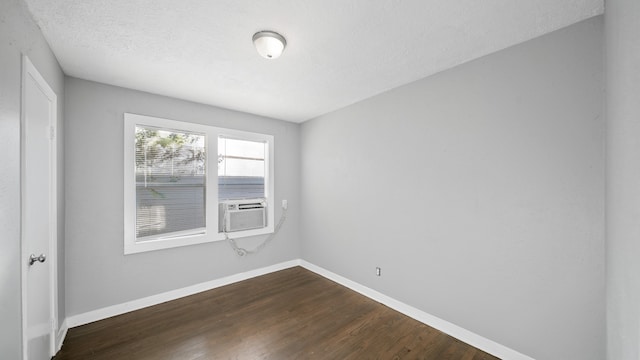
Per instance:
x=289, y=314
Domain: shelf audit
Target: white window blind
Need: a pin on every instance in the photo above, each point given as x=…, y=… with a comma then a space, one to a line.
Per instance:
x=170, y=182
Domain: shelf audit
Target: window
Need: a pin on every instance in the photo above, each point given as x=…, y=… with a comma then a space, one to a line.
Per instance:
x=170, y=182
x=241, y=168
x=172, y=188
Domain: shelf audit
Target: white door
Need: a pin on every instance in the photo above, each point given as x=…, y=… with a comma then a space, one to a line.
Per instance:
x=39, y=318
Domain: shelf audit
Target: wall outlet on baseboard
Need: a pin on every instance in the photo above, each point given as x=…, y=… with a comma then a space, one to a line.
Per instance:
x=378, y=271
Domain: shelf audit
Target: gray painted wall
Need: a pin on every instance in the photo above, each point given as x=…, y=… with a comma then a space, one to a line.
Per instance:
x=478, y=191
x=622, y=28
x=98, y=274
x=20, y=35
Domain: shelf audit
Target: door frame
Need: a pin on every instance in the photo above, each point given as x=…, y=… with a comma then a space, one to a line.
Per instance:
x=28, y=70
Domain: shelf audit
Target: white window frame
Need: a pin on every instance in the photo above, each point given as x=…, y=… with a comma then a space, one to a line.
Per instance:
x=210, y=232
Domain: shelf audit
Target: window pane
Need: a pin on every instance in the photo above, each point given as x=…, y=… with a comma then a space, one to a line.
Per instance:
x=170, y=181
x=241, y=169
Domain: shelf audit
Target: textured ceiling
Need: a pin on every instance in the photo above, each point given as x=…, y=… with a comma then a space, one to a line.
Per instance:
x=338, y=52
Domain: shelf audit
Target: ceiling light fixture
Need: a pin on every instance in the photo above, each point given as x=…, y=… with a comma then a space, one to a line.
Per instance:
x=269, y=44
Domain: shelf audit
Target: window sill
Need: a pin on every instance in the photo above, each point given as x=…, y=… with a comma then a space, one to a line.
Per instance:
x=160, y=243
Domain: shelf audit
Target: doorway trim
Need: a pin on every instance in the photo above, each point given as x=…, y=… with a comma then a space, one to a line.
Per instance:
x=29, y=70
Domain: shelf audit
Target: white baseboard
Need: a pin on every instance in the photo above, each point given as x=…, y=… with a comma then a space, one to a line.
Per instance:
x=62, y=333
x=100, y=314
x=456, y=331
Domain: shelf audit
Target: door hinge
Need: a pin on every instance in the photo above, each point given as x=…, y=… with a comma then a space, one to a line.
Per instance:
x=52, y=133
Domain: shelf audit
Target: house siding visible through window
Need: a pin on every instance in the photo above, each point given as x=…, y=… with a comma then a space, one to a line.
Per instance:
x=241, y=169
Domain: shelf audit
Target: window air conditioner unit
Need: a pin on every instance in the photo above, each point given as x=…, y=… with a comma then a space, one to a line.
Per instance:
x=238, y=215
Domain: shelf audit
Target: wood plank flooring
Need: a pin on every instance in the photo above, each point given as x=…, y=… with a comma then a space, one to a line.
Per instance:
x=289, y=314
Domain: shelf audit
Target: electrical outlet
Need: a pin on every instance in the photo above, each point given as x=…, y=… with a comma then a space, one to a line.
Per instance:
x=285, y=204
x=378, y=271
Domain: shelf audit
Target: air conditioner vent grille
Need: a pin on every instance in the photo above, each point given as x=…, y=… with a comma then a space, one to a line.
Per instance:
x=250, y=206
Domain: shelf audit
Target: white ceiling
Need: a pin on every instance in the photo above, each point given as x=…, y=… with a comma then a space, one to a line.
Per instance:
x=339, y=51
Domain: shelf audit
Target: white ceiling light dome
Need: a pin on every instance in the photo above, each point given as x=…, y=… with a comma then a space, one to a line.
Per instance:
x=269, y=44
